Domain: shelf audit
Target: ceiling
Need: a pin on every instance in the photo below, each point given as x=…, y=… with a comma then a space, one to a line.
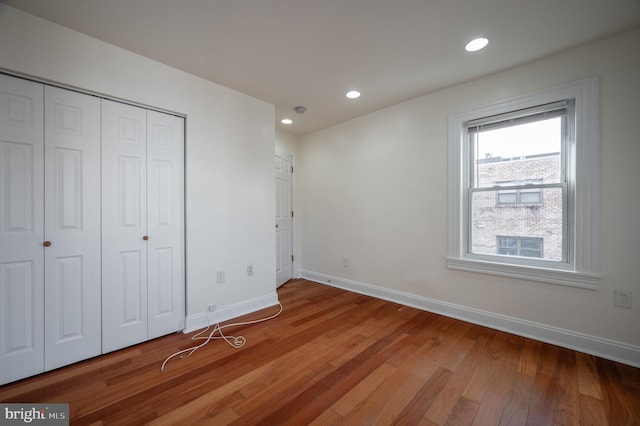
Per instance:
x=311, y=52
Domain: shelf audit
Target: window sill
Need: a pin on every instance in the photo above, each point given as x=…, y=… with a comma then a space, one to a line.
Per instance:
x=532, y=273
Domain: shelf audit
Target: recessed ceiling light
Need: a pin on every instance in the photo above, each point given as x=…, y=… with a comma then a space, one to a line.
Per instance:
x=353, y=94
x=286, y=121
x=476, y=44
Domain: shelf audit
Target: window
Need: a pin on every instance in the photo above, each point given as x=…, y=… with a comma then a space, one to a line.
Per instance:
x=523, y=176
x=520, y=246
x=519, y=197
x=513, y=160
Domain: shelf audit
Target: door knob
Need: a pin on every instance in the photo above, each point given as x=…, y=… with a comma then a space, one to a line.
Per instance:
x=146, y=237
x=47, y=244
x=276, y=225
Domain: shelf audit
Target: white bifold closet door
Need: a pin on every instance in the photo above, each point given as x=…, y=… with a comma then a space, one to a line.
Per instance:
x=72, y=227
x=142, y=224
x=165, y=223
x=21, y=229
x=49, y=228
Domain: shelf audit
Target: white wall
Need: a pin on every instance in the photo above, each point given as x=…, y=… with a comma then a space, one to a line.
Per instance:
x=230, y=139
x=374, y=190
x=286, y=142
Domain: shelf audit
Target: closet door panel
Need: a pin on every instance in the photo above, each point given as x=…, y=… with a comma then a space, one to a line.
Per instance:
x=21, y=229
x=124, y=226
x=165, y=186
x=72, y=225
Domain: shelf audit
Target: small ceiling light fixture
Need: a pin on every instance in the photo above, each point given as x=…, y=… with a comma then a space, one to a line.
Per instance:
x=353, y=94
x=476, y=44
x=286, y=121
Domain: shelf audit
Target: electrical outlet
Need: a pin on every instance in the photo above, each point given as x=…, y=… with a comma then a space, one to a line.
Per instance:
x=211, y=308
x=345, y=262
x=622, y=298
x=220, y=277
x=249, y=270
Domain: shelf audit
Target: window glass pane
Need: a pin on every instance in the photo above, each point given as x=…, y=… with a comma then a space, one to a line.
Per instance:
x=508, y=251
x=531, y=247
x=541, y=222
x=528, y=151
x=507, y=246
x=530, y=196
x=507, y=197
x=530, y=243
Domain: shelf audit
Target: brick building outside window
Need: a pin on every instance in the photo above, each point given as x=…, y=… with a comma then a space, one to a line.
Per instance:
x=518, y=222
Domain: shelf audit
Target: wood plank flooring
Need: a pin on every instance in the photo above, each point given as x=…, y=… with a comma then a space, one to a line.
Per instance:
x=334, y=357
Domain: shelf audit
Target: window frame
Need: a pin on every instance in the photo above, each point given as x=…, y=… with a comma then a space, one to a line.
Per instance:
x=580, y=268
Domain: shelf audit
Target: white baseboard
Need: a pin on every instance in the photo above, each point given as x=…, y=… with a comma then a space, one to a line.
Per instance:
x=225, y=313
x=604, y=348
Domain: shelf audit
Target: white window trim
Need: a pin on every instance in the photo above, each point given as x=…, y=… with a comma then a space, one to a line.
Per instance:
x=584, y=272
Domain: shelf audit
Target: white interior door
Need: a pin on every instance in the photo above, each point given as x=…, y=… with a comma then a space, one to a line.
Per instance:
x=21, y=229
x=165, y=201
x=72, y=227
x=124, y=225
x=284, y=219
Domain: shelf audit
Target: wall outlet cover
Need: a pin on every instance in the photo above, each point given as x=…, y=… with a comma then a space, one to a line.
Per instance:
x=622, y=298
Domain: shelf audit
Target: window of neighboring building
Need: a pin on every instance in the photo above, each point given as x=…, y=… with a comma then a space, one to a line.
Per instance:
x=519, y=197
x=520, y=246
x=523, y=175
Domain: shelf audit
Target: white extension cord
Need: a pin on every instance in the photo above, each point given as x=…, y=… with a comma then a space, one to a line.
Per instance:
x=236, y=342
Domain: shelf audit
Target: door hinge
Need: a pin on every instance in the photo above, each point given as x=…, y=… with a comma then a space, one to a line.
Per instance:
x=291, y=213
x=291, y=169
x=292, y=258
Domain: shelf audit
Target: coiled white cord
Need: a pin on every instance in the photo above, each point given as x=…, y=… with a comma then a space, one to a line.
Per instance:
x=236, y=342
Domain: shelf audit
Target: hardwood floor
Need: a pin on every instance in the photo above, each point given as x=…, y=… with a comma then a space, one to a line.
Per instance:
x=334, y=357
